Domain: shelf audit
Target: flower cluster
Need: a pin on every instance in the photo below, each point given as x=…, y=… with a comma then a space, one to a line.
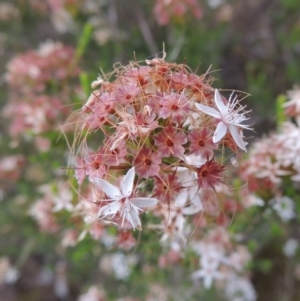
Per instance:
x=34, y=77
x=66, y=16
x=224, y=262
x=10, y=167
x=54, y=198
x=164, y=129
x=8, y=12
x=34, y=115
x=164, y=10
x=273, y=163
x=267, y=166
x=37, y=70
x=292, y=106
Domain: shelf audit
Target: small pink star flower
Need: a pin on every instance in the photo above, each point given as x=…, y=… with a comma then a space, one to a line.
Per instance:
x=147, y=163
x=201, y=143
x=175, y=105
x=80, y=172
x=140, y=74
x=170, y=141
x=167, y=187
x=210, y=174
x=102, y=107
x=115, y=156
x=94, y=166
x=126, y=93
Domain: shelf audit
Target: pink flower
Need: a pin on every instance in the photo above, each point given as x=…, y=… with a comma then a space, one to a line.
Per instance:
x=271, y=170
x=174, y=105
x=33, y=70
x=94, y=166
x=113, y=157
x=36, y=114
x=210, y=174
x=147, y=164
x=169, y=142
x=293, y=105
x=166, y=10
x=126, y=240
x=11, y=167
x=179, y=80
x=127, y=92
x=102, y=107
x=146, y=122
x=140, y=74
x=167, y=187
x=80, y=173
x=201, y=143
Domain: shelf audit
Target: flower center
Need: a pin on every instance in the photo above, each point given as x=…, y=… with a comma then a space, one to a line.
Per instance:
x=204, y=173
x=96, y=165
x=174, y=107
x=201, y=143
x=170, y=143
x=147, y=162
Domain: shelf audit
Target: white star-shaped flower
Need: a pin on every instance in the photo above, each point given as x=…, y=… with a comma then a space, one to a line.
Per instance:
x=208, y=275
x=230, y=118
x=122, y=202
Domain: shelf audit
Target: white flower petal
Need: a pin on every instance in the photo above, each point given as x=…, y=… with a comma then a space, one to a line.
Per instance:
x=237, y=137
x=110, y=209
x=133, y=217
x=220, y=104
x=127, y=182
x=220, y=132
x=182, y=198
x=110, y=190
x=207, y=281
x=198, y=274
x=143, y=202
x=196, y=160
x=190, y=210
x=208, y=110
x=296, y=177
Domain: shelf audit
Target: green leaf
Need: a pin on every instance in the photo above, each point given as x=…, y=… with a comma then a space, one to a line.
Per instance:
x=276, y=229
x=265, y=265
x=280, y=115
x=84, y=40
x=85, y=83
x=252, y=245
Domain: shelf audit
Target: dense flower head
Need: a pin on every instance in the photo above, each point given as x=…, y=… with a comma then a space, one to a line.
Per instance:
x=221, y=260
x=11, y=169
x=39, y=97
x=273, y=158
x=164, y=11
x=11, y=166
x=35, y=114
x=155, y=120
x=37, y=69
x=272, y=169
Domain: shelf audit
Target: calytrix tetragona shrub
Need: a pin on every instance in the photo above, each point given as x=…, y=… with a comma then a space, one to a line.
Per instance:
x=161, y=135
